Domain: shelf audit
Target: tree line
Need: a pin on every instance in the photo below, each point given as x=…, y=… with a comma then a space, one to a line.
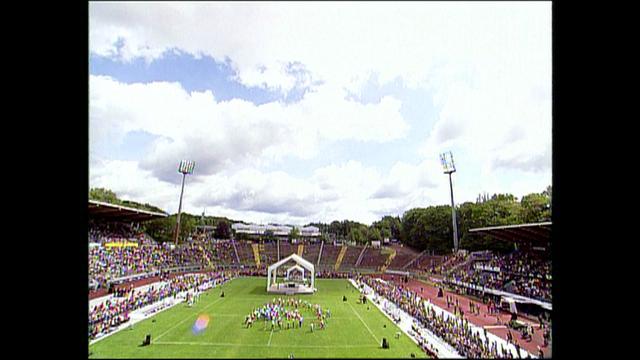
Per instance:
x=431, y=228
x=427, y=228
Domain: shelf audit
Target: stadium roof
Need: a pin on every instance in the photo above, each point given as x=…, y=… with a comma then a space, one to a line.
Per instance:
x=538, y=233
x=106, y=211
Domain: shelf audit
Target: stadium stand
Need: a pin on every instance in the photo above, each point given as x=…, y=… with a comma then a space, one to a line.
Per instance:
x=350, y=257
x=404, y=254
x=329, y=256
x=373, y=258
x=245, y=253
x=520, y=272
x=311, y=252
x=221, y=252
x=286, y=249
x=268, y=252
x=426, y=263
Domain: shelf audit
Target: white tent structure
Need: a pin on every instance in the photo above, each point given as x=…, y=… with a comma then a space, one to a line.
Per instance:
x=291, y=288
x=294, y=268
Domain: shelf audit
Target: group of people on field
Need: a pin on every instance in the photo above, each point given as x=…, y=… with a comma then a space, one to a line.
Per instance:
x=286, y=313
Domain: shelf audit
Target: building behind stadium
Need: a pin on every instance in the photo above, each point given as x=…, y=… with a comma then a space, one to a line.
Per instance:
x=279, y=231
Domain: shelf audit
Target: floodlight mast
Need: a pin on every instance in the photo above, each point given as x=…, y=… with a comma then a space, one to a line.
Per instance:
x=449, y=167
x=186, y=167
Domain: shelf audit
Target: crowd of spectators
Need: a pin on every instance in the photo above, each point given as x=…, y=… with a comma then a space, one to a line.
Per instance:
x=222, y=251
x=105, y=317
x=523, y=263
x=333, y=275
x=190, y=253
x=145, y=256
x=102, y=232
x=107, y=263
x=456, y=331
x=520, y=272
x=443, y=267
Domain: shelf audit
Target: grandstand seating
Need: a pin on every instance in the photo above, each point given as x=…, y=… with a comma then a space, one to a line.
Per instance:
x=286, y=249
x=350, y=257
x=268, y=253
x=311, y=251
x=373, y=258
x=245, y=253
x=222, y=252
x=426, y=263
x=520, y=272
x=102, y=232
x=329, y=256
x=404, y=254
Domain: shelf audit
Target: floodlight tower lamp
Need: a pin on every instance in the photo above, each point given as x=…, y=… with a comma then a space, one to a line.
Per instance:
x=449, y=167
x=185, y=168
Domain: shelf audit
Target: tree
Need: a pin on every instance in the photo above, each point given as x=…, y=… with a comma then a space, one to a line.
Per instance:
x=223, y=230
x=389, y=227
x=335, y=229
x=356, y=235
x=374, y=235
x=536, y=208
x=104, y=195
x=162, y=229
x=386, y=233
x=294, y=234
x=108, y=196
x=476, y=215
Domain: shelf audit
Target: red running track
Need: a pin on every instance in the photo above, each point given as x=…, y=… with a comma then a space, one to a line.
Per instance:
x=483, y=320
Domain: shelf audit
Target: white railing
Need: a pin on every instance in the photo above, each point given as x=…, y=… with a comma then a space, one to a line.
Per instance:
x=517, y=298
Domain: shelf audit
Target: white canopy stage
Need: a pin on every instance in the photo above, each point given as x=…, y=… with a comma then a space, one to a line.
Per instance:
x=291, y=287
x=292, y=269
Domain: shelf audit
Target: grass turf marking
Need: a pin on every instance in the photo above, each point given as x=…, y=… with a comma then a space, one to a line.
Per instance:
x=185, y=319
x=365, y=324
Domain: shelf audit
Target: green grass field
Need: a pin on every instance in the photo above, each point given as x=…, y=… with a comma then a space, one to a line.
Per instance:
x=353, y=331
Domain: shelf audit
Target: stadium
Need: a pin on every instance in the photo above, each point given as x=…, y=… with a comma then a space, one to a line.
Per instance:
x=212, y=297
x=277, y=180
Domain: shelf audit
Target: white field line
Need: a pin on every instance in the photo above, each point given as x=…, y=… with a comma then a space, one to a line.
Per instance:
x=365, y=324
x=185, y=319
x=270, y=336
x=258, y=345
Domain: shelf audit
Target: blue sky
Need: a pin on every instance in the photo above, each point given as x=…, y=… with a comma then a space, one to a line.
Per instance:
x=204, y=73
x=308, y=122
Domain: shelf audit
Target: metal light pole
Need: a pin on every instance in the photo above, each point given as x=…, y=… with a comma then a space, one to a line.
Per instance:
x=449, y=167
x=186, y=167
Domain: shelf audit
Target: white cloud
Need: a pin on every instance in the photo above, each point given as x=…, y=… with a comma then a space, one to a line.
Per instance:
x=341, y=191
x=338, y=42
x=132, y=183
x=220, y=134
x=488, y=66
